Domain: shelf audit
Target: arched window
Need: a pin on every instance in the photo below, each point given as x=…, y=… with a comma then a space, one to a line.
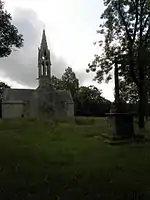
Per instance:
x=42, y=69
x=45, y=54
x=46, y=73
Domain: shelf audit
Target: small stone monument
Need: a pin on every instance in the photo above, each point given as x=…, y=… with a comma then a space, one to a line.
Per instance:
x=120, y=120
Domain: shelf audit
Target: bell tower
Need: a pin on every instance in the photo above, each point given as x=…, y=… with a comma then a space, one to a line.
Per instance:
x=44, y=62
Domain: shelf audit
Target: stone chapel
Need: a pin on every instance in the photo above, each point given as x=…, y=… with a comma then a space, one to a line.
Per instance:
x=42, y=102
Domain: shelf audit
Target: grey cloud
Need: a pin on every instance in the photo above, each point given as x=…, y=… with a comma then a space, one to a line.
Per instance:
x=21, y=65
x=85, y=77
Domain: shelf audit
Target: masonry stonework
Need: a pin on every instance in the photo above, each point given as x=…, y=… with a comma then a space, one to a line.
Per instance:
x=43, y=102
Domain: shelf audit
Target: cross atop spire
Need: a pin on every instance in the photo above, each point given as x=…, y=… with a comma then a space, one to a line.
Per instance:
x=44, y=41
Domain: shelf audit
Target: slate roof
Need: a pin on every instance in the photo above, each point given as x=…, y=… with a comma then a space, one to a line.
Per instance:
x=18, y=94
x=26, y=94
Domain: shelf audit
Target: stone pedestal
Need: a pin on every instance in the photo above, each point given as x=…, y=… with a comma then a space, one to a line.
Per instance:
x=120, y=125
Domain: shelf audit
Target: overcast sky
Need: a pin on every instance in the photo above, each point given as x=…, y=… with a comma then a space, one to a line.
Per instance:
x=71, y=30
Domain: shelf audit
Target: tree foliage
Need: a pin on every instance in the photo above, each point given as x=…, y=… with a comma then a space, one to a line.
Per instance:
x=129, y=92
x=128, y=88
x=87, y=99
x=126, y=28
x=2, y=87
x=9, y=36
x=89, y=102
x=70, y=81
x=57, y=83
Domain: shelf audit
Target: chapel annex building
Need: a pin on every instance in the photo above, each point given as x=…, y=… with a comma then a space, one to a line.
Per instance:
x=43, y=102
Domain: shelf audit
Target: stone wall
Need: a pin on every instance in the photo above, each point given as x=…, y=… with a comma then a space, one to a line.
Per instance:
x=14, y=98
x=44, y=102
x=54, y=104
x=12, y=109
x=70, y=109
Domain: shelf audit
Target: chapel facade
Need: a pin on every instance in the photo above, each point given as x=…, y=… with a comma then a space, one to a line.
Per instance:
x=42, y=102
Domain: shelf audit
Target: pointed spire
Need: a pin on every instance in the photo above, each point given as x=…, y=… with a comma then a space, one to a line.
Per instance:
x=44, y=62
x=44, y=41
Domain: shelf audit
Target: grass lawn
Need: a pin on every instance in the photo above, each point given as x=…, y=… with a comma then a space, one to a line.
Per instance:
x=60, y=161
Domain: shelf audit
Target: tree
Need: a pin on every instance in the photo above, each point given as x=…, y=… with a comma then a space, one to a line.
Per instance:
x=2, y=87
x=126, y=27
x=70, y=81
x=9, y=36
x=129, y=90
x=90, y=93
x=57, y=83
x=89, y=102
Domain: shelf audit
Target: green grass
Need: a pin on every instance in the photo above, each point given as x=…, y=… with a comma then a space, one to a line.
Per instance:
x=62, y=161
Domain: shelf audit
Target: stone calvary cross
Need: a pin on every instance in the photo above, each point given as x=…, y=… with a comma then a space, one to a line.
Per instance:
x=120, y=121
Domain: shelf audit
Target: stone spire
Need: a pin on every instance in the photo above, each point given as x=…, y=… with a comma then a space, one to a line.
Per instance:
x=44, y=41
x=44, y=62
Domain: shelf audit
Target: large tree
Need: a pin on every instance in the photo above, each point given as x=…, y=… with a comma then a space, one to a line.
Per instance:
x=9, y=36
x=70, y=81
x=128, y=88
x=126, y=29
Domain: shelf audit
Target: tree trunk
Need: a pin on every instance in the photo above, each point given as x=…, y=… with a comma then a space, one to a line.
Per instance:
x=0, y=108
x=141, y=116
x=146, y=107
x=141, y=106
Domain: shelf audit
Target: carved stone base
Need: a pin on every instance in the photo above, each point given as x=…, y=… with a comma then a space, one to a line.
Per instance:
x=121, y=125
